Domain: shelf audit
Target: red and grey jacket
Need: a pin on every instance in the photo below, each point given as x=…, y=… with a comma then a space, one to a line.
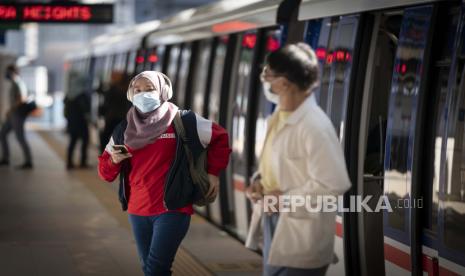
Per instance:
x=156, y=178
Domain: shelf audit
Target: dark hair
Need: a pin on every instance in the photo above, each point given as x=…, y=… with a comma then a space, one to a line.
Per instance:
x=12, y=68
x=297, y=62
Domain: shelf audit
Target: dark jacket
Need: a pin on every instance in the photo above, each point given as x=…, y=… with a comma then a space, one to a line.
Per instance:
x=179, y=188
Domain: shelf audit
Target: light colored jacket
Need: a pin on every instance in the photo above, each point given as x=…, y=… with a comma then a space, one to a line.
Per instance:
x=308, y=161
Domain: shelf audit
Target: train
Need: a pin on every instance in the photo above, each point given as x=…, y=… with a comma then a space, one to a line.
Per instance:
x=392, y=83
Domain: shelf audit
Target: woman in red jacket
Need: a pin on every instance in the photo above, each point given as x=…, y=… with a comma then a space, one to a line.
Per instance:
x=150, y=142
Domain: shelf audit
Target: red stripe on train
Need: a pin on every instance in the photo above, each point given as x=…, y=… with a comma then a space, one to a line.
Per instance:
x=402, y=259
x=391, y=254
x=397, y=257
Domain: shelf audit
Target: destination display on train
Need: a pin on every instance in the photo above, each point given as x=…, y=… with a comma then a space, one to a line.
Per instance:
x=56, y=13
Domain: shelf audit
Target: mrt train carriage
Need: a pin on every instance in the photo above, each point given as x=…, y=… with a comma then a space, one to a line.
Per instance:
x=391, y=82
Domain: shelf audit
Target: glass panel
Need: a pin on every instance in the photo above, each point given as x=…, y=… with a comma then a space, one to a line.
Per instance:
x=453, y=192
x=152, y=59
x=201, y=77
x=436, y=128
x=238, y=108
x=324, y=53
x=402, y=112
x=160, y=53
x=217, y=78
x=181, y=80
x=341, y=72
x=173, y=67
x=131, y=63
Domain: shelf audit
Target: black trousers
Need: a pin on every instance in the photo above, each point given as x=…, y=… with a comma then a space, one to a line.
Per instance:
x=75, y=136
x=15, y=122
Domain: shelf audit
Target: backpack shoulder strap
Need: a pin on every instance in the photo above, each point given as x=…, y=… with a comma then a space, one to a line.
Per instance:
x=179, y=126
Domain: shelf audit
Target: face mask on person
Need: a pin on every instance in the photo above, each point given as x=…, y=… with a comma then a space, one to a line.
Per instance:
x=270, y=95
x=146, y=101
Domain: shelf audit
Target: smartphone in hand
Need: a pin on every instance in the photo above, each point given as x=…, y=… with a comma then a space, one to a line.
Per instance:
x=120, y=148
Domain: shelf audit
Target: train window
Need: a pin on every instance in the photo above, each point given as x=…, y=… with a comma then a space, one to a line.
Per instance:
x=140, y=61
x=324, y=51
x=453, y=191
x=131, y=63
x=150, y=59
x=403, y=108
x=201, y=77
x=157, y=61
x=341, y=68
x=107, y=69
x=217, y=77
x=237, y=116
x=172, y=69
x=183, y=72
x=239, y=97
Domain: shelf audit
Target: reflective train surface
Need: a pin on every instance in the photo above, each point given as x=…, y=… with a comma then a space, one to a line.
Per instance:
x=392, y=82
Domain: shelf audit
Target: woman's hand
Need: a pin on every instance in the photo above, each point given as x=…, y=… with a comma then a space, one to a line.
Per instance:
x=117, y=156
x=255, y=191
x=214, y=185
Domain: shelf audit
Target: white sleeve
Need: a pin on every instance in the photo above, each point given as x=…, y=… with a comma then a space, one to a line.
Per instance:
x=204, y=130
x=109, y=146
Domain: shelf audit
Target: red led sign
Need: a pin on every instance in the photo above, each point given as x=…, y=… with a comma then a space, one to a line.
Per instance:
x=56, y=13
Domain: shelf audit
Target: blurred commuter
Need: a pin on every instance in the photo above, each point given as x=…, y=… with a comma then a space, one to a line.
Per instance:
x=15, y=119
x=77, y=113
x=115, y=106
x=302, y=156
x=142, y=150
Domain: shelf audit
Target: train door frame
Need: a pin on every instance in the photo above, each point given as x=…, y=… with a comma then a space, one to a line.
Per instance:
x=368, y=264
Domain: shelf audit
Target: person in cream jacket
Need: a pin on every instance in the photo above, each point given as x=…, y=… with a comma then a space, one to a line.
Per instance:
x=302, y=157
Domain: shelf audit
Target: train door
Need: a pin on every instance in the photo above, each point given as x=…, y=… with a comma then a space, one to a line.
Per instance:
x=379, y=73
x=172, y=67
x=131, y=64
x=183, y=75
x=157, y=58
x=236, y=125
x=443, y=230
x=199, y=90
x=335, y=40
x=219, y=209
x=403, y=141
x=140, y=60
x=152, y=59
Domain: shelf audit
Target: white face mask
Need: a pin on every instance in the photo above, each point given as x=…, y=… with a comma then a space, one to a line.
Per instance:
x=269, y=95
x=146, y=101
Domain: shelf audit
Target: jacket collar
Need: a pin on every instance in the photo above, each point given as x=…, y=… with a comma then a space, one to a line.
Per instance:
x=302, y=110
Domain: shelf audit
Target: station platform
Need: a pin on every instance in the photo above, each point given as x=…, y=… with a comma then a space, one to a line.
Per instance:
x=58, y=222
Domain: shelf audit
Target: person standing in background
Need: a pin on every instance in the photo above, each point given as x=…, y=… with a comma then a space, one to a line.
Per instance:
x=115, y=106
x=77, y=113
x=15, y=119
